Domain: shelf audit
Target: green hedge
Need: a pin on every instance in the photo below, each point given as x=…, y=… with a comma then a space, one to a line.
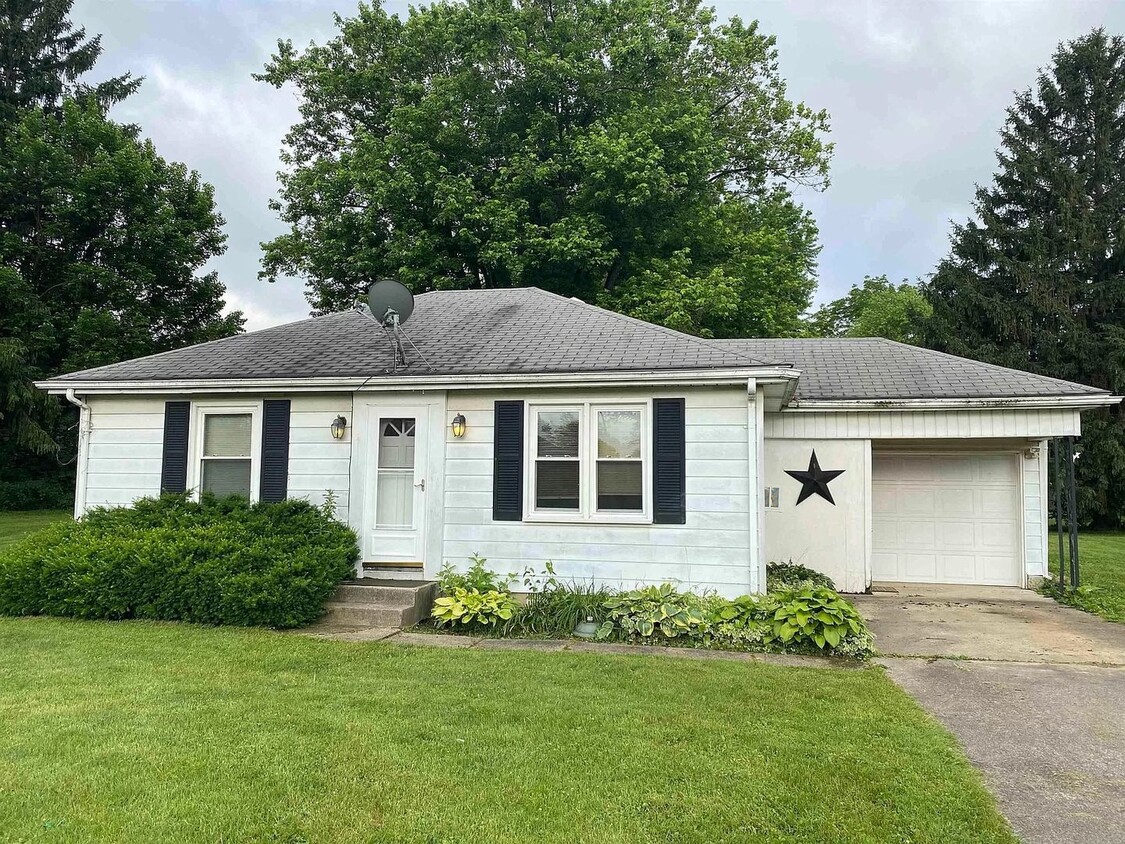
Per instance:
x=39, y=494
x=215, y=562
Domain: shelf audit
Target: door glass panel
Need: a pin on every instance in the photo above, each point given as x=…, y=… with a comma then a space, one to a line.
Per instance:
x=394, y=493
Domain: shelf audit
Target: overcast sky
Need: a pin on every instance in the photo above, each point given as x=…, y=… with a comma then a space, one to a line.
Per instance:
x=916, y=94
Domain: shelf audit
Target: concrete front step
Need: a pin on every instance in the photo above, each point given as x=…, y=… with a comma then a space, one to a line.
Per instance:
x=378, y=604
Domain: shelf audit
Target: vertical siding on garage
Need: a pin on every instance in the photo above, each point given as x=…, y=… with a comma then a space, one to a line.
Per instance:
x=126, y=434
x=1035, y=528
x=711, y=551
x=895, y=424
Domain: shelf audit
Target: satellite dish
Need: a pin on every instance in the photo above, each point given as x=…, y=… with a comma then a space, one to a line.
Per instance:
x=391, y=303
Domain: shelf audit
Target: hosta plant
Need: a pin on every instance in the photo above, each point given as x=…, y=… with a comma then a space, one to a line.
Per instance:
x=818, y=617
x=473, y=608
x=643, y=612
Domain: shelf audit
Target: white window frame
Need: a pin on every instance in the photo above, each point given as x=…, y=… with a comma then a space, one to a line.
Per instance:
x=587, y=511
x=200, y=411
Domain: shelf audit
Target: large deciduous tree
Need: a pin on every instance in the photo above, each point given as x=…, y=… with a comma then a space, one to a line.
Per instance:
x=876, y=308
x=101, y=240
x=635, y=153
x=1037, y=281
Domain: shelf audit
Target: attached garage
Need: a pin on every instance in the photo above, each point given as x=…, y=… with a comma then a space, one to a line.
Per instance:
x=946, y=518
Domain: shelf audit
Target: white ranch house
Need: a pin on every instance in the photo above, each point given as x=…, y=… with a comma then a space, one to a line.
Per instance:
x=621, y=451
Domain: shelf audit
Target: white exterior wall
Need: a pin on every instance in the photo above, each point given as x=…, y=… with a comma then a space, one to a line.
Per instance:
x=834, y=546
x=927, y=424
x=712, y=551
x=834, y=539
x=123, y=451
x=124, y=447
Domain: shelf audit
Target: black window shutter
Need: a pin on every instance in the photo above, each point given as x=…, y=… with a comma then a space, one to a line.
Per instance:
x=173, y=467
x=275, y=450
x=507, y=462
x=668, y=462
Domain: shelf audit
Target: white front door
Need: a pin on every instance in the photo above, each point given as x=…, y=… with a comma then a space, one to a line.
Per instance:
x=395, y=489
x=946, y=518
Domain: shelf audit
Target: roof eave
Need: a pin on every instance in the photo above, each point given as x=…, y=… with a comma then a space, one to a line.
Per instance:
x=1077, y=401
x=702, y=377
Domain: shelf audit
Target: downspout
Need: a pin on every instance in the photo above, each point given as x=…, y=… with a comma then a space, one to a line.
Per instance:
x=756, y=515
x=83, y=451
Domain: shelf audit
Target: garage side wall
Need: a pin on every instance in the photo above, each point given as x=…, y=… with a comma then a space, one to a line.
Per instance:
x=831, y=538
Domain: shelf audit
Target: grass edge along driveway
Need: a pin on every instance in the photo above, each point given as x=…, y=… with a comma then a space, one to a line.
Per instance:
x=1101, y=563
x=148, y=732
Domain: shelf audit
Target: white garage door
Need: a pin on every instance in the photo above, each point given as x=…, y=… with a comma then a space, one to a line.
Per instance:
x=946, y=519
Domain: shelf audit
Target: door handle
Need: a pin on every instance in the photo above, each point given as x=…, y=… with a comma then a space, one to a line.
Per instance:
x=421, y=484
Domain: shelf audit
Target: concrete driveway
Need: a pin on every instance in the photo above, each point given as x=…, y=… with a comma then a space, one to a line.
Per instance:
x=1034, y=691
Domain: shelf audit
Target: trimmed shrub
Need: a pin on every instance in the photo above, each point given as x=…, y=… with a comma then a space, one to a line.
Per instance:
x=211, y=562
x=795, y=576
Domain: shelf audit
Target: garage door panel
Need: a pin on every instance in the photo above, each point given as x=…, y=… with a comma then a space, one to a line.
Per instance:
x=920, y=566
x=959, y=568
x=914, y=533
x=954, y=502
x=946, y=518
x=957, y=536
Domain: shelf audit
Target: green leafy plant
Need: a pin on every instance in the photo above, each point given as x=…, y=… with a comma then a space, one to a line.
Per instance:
x=641, y=612
x=794, y=576
x=212, y=562
x=473, y=608
x=556, y=611
x=814, y=617
x=477, y=577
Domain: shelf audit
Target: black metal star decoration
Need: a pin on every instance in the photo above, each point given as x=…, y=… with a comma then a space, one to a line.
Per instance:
x=815, y=480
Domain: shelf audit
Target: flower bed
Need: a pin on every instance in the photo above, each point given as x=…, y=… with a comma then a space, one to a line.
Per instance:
x=800, y=614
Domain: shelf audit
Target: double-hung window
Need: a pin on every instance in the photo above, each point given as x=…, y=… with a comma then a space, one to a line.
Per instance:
x=225, y=451
x=589, y=461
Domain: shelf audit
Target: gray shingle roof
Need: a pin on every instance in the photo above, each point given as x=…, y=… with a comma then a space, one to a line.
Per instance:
x=873, y=368
x=517, y=331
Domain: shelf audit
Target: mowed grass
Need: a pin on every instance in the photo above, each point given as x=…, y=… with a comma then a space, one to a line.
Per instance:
x=146, y=732
x=16, y=524
x=1101, y=565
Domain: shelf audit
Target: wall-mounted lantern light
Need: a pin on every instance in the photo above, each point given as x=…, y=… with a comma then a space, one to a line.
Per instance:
x=339, y=425
x=458, y=426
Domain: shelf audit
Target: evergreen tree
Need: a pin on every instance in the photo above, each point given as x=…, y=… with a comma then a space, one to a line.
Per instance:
x=42, y=55
x=1037, y=281
x=101, y=239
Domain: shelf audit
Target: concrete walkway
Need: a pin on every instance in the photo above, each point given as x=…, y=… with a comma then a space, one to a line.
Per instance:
x=1035, y=692
x=391, y=635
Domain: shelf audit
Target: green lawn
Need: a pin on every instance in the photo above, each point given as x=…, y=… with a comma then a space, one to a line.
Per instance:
x=1101, y=559
x=144, y=732
x=15, y=524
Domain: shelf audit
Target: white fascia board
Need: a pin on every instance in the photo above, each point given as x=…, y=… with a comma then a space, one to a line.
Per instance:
x=1076, y=402
x=384, y=383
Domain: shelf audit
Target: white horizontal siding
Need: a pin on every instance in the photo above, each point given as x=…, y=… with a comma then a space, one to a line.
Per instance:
x=939, y=424
x=710, y=552
x=124, y=450
x=126, y=447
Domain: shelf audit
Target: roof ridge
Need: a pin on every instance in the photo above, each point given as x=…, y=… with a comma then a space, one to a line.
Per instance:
x=986, y=364
x=652, y=326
